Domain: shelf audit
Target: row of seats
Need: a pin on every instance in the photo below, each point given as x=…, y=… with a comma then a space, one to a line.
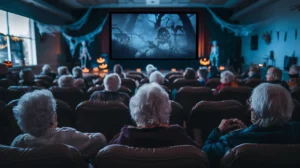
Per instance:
x=119, y=156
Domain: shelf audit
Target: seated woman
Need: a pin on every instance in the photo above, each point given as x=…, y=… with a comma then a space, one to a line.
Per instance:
x=112, y=83
x=79, y=82
x=271, y=108
x=62, y=70
x=118, y=69
x=202, y=76
x=66, y=81
x=227, y=79
x=294, y=77
x=157, y=77
x=37, y=118
x=189, y=73
x=27, y=77
x=150, y=109
x=46, y=70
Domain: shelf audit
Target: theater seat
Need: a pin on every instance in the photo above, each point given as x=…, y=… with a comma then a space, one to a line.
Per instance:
x=16, y=92
x=44, y=77
x=123, y=89
x=181, y=82
x=207, y=115
x=262, y=156
x=169, y=74
x=129, y=83
x=105, y=117
x=253, y=82
x=296, y=111
x=189, y=96
x=3, y=94
x=119, y=156
x=52, y=156
x=213, y=83
x=73, y=96
x=136, y=73
x=176, y=115
x=134, y=77
x=172, y=78
x=241, y=94
x=296, y=93
x=5, y=83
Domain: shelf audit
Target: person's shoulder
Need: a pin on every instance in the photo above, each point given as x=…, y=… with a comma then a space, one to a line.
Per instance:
x=19, y=140
x=65, y=129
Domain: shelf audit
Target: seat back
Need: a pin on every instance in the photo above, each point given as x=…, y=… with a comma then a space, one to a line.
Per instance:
x=45, y=78
x=58, y=156
x=213, y=83
x=176, y=115
x=253, y=82
x=66, y=117
x=188, y=97
x=240, y=94
x=262, y=156
x=105, y=117
x=119, y=156
x=135, y=73
x=144, y=81
x=172, y=78
x=5, y=83
x=169, y=74
x=134, y=77
x=178, y=83
x=129, y=83
x=3, y=94
x=123, y=89
x=72, y=96
x=16, y=92
x=296, y=93
x=296, y=111
x=207, y=115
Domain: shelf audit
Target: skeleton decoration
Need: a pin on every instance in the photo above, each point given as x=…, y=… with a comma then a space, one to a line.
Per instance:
x=84, y=54
x=214, y=54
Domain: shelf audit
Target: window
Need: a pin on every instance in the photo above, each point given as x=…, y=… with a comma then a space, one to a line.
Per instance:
x=17, y=40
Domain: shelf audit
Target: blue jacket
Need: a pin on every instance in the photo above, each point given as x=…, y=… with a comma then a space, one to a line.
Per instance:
x=217, y=144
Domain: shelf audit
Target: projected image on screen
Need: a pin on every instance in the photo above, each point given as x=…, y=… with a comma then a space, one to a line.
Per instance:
x=153, y=36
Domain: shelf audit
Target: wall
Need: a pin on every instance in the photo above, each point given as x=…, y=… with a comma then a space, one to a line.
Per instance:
x=282, y=19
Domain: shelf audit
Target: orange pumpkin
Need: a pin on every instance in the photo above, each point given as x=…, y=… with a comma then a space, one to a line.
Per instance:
x=85, y=70
x=204, y=62
x=95, y=69
x=101, y=60
x=103, y=66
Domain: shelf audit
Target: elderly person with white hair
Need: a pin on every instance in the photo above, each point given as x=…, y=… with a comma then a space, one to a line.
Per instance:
x=112, y=83
x=156, y=77
x=79, y=82
x=274, y=76
x=271, y=109
x=150, y=109
x=46, y=70
x=149, y=69
x=62, y=70
x=66, y=81
x=227, y=79
x=37, y=118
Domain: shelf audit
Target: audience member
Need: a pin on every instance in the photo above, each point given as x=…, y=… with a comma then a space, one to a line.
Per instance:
x=150, y=109
x=37, y=118
x=189, y=73
x=3, y=71
x=157, y=77
x=253, y=72
x=271, y=108
x=46, y=70
x=27, y=77
x=112, y=83
x=294, y=77
x=62, y=70
x=118, y=69
x=227, y=79
x=202, y=76
x=149, y=69
x=274, y=76
x=66, y=81
x=79, y=82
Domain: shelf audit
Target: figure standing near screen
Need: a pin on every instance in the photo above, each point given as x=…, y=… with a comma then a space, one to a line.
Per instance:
x=84, y=54
x=214, y=54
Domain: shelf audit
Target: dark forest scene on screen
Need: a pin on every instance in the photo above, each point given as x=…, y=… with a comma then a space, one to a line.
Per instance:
x=153, y=36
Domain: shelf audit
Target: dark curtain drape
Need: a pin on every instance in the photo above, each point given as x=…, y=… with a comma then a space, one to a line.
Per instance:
x=203, y=35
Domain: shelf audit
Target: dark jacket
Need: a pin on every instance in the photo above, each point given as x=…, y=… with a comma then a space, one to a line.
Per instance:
x=110, y=96
x=153, y=137
x=217, y=144
x=282, y=83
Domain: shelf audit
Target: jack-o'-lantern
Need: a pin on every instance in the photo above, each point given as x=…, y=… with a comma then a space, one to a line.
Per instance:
x=173, y=70
x=95, y=69
x=9, y=64
x=204, y=62
x=103, y=66
x=85, y=70
x=105, y=70
x=101, y=60
x=221, y=68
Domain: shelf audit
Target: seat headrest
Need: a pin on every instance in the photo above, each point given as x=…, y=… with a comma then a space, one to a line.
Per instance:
x=69, y=89
x=217, y=105
x=23, y=88
x=228, y=89
x=196, y=90
x=101, y=104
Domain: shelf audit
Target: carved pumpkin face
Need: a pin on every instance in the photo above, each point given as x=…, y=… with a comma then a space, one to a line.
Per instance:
x=204, y=62
x=221, y=68
x=9, y=64
x=85, y=70
x=103, y=66
x=100, y=60
x=105, y=70
x=96, y=69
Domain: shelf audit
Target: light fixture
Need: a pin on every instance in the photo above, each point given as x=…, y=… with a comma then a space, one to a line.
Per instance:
x=173, y=70
x=138, y=70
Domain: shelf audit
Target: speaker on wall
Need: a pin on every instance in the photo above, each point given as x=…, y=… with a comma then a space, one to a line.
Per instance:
x=254, y=42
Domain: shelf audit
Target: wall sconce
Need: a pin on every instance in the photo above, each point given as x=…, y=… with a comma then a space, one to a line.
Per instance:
x=103, y=66
x=173, y=70
x=96, y=69
x=100, y=60
x=85, y=70
x=138, y=70
x=260, y=65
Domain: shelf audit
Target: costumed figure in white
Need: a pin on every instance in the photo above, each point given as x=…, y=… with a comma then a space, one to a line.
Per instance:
x=214, y=54
x=84, y=54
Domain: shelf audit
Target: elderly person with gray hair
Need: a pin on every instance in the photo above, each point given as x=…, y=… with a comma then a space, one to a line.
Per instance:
x=149, y=69
x=156, y=77
x=112, y=83
x=271, y=108
x=27, y=77
x=274, y=76
x=46, y=70
x=66, y=81
x=37, y=118
x=62, y=70
x=79, y=82
x=227, y=79
x=150, y=109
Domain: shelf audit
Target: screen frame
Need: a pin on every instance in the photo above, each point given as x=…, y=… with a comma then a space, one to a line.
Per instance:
x=152, y=12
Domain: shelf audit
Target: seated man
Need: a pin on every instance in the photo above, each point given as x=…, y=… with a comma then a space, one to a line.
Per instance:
x=118, y=69
x=62, y=70
x=66, y=81
x=189, y=73
x=150, y=109
x=202, y=76
x=112, y=83
x=253, y=72
x=79, y=82
x=294, y=77
x=37, y=118
x=274, y=76
x=27, y=77
x=271, y=108
x=46, y=70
